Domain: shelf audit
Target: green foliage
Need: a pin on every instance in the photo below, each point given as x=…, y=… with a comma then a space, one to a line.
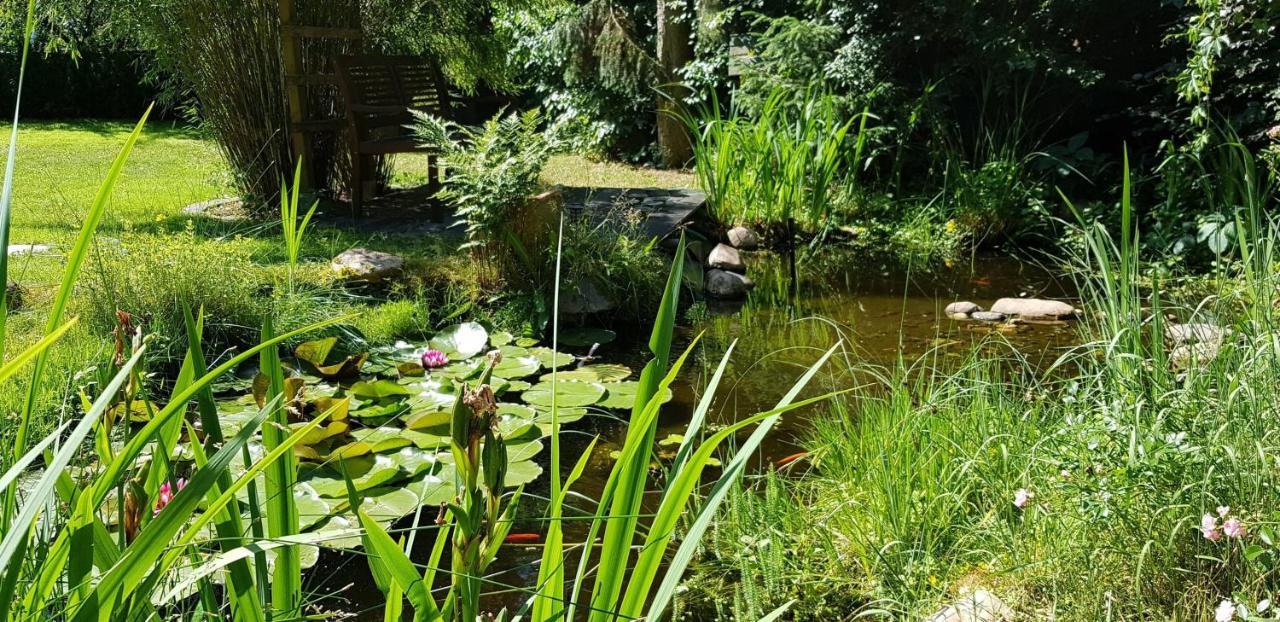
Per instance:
x=152, y=277
x=493, y=172
x=290, y=229
x=782, y=164
x=591, y=65
x=910, y=491
x=611, y=252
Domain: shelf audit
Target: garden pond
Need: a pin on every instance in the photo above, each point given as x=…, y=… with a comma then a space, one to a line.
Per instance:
x=388, y=424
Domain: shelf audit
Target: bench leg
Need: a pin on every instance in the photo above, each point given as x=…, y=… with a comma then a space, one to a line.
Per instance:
x=356, y=187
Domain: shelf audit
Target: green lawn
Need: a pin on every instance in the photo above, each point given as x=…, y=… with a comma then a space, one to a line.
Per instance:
x=61, y=164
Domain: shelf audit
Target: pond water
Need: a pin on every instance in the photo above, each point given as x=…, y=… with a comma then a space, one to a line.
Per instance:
x=883, y=317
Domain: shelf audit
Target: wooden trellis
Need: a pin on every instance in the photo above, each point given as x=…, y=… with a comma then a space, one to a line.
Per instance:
x=311, y=82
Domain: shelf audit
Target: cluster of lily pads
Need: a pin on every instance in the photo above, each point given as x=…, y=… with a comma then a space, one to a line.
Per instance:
x=388, y=423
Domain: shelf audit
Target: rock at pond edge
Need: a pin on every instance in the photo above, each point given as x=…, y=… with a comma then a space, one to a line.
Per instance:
x=961, y=310
x=727, y=285
x=743, y=238
x=1034, y=308
x=725, y=257
x=583, y=298
x=362, y=264
x=987, y=316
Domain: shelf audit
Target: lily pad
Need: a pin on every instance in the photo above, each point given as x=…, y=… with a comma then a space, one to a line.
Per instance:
x=526, y=342
x=550, y=358
x=461, y=341
x=500, y=338
x=502, y=385
x=517, y=363
x=374, y=413
x=622, y=395
x=389, y=504
x=606, y=372
x=567, y=394
x=586, y=337
x=316, y=353
x=378, y=389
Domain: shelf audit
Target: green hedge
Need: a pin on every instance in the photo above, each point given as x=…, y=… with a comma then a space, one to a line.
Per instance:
x=104, y=84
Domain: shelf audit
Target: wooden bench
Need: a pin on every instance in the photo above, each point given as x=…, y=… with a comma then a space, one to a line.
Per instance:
x=379, y=93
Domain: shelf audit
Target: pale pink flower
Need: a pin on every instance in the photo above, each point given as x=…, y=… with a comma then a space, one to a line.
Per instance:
x=1226, y=611
x=432, y=359
x=1223, y=510
x=1022, y=498
x=1233, y=528
x=165, y=495
x=1209, y=527
x=1065, y=474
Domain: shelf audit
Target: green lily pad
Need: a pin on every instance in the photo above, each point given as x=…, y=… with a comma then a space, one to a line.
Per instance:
x=567, y=394
x=375, y=413
x=550, y=358
x=428, y=420
x=586, y=337
x=389, y=503
x=502, y=385
x=622, y=395
x=340, y=524
x=526, y=342
x=567, y=416
x=521, y=473
x=500, y=338
x=606, y=372
x=517, y=363
x=317, y=352
x=461, y=341
x=378, y=389
x=368, y=471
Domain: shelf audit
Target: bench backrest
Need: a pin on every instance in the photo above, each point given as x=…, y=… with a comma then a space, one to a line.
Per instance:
x=381, y=90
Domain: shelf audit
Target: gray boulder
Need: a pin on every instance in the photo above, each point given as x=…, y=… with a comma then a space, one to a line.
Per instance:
x=1181, y=334
x=961, y=310
x=987, y=316
x=1034, y=308
x=974, y=605
x=725, y=257
x=584, y=298
x=727, y=285
x=362, y=264
x=743, y=238
x=1186, y=355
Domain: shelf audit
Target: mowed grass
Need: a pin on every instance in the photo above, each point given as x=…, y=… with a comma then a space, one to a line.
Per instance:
x=61, y=164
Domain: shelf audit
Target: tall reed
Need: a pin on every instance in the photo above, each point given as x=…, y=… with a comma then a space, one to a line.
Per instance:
x=778, y=165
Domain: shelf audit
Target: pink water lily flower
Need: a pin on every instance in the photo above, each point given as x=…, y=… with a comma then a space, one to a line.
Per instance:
x=1209, y=527
x=1233, y=528
x=432, y=359
x=1022, y=498
x=1226, y=611
x=166, y=493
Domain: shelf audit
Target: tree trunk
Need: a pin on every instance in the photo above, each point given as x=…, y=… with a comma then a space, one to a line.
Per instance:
x=675, y=50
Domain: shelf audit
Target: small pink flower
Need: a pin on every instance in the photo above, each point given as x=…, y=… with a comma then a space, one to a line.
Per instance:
x=432, y=359
x=165, y=495
x=1223, y=510
x=1226, y=611
x=1233, y=528
x=1065, y=474
x=1022, y=498
x=1209, y=527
